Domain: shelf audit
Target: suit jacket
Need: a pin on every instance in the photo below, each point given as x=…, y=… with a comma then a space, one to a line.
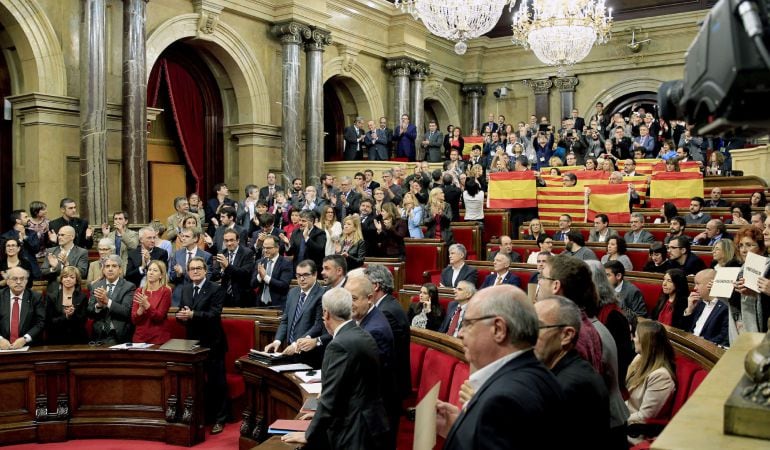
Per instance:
x=444, y=221
x=77, y=257
x=467, y=273
x=377, y=325
x=353, y=200
x=515, y=257
x=716, y=326
x=350, y=412
x=117, y=317
x=560, y=236
x=80, y=226
x=129, y=240
x=593, y=236
x=236, y=278
x=378, y=144
x=452, y=196
x=356, y=254
x=31, y=315
x=400, y=327
x=180, y=257
x=521, y=392
x=369, y=230
x=405, y=141
x=280, y=279
x=434, y=151
x=264, y=193
x=315, y=246
x=509, y=278
x=353, y=146
x=254, y=239
x=310, y=320
x=450, y=311
x=206, y=323
x=219, y=236
x=61, y=330
x=580, y=123
x=213, y=205
x=133, y=272
x=645, y=237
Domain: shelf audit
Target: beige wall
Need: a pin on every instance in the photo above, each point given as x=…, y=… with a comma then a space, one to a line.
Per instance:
x=41, y=42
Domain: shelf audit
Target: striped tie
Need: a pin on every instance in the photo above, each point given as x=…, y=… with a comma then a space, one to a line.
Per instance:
x=297, y=315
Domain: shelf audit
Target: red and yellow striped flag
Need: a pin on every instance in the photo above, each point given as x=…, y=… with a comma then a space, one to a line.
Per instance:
x=512, y=190
x=555, y=201
x=687, y=166
x=469, y=142
x=609, y=199
x=675, y=187
x=643, y=166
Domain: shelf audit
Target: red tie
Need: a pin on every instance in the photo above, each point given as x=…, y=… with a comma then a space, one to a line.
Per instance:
x=15, y=320
x=454, y=322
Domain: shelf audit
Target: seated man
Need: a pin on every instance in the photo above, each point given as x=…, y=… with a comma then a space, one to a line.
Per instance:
x=675, y=229
x=715, y=231
x=22, y=312
x=630, y=297
x=110, y=305
x=455, y=311
x=716, y=200
x=682, y=258
x=706, y=316
x=638, y=235
x=696, y=216
x=457, y=270
x=65, y=254
x=565, y=221
x=506, y=246
x=576, y=247
x=602, y=231
x=502, y=273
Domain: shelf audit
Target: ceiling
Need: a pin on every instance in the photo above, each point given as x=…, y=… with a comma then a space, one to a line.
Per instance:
x=621, y=10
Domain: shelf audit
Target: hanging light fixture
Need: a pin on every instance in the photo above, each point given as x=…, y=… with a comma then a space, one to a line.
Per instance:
x=455, y=20
x=561, y=32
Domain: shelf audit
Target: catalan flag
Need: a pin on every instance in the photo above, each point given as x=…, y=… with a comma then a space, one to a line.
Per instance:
x=687, y=166
x=675, y=187
x=555, y=201
x=512, y=190
x=609, y=199
x=643, y=166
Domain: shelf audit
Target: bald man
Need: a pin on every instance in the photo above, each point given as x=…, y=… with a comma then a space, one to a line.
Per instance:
x=706, y=316
x=22, y=312
x=65, y=254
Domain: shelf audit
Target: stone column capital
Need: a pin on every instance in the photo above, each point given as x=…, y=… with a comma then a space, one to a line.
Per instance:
x=474, y=90
x=318, y=40
x=420, y=71
x=400, y=66
x=566, y=84
x=291, y=32
x=542, y=86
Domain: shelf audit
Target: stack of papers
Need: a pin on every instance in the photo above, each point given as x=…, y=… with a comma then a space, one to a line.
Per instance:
x=281, y=426
x=290, y=367
x=311, y=376
x=129, y=345
x=311, y=388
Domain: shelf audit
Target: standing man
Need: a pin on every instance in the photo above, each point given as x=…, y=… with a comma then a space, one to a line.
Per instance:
x=377, y=142
x=511, y=385
x=601, y=119
x=200, y=311
x=388, y=134
x=110, y=305
x=354, y=139
x=267, y=193
x=578, y=122
x=348, y=200
x=227, y=218
x=213, y=205
x=177, y=273
x=307, y=241
x=432, y=143
x=65, y=254
x=140, y=257
x=22, y=312
x=84, y=235
x=273, y=275
x=124, y=238
x=490, y=123
x=233, y=268
x=404, y=136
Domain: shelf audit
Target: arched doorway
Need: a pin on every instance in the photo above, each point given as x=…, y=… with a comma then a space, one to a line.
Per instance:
x=434, y=110
x=646, y=99
x=6, y=147
x=188, y=133
x=344, y=100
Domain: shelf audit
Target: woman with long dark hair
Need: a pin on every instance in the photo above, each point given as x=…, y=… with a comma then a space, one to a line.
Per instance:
x=673, y=299
x=427, y=312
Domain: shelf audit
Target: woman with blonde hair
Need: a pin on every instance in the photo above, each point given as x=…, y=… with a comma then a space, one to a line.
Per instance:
x=151, y=304
x=333, y=229
x=66, y=306
x=413, y=214
x=724, y=252
x=438, y=217
x=651, y=376
x=351, y=244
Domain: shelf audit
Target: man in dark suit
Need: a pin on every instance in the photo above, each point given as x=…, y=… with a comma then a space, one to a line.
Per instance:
x=578, y=122
x=630, y=297
x=177, y=272
x=404, y=135
x=140, y=257
x=65, y=254
x=214, y=204
x=706, y=316
x=565, y=222
x=110, y=305
x=84, y=235
x=200, y=311
x=455, y=311
x=350, y=412
x=273, y=275
x=227, y=216
x=307, y=241
x=368, y=227
x=22, y=312
x=267, y=193
x=378, y=142
x=232, y=269
x=30, y=243
x=682, y=257
x=354, y=140
x=638, y=235
x=586, y=397
x=457, y=270
x=506, y=246
x=522, y=391
x=716, y=200
x=502, y=273
x=267, y=228
x=491, y=124
x=369, y=183
x=452, y=195
x=348, y=201
x=432, y=143
x=302, y=315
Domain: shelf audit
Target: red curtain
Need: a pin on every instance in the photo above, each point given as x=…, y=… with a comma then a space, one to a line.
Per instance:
x=186, y=109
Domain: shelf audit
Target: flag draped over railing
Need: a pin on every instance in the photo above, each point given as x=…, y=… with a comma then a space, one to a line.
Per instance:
x=609, y=199
x=675, y=187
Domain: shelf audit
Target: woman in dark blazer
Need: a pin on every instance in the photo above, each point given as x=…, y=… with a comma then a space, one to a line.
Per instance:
x=391, y=233
x=11, y=256
x=66, y=306
x=351, y=244
x=438, y=214
x=427, y=312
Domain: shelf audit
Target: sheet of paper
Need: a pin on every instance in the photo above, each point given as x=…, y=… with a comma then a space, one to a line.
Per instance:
x=311, y=388
x=425, y=420
x=290, y=367
x=723, y=282
x=753, y=269
x=23, y=349
x=307, y=378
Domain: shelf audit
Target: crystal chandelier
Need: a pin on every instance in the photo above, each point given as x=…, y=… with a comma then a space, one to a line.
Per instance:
x=561, y=32
x=456, y=20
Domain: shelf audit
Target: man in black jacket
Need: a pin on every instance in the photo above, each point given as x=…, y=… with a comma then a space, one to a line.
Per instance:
x=84, y=235
x=233, y=268
x=307, y=241
x=140, y=257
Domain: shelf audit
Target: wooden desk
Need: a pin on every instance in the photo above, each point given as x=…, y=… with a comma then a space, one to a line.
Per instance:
x=275, y=443
x=699, y=423
x=269, y=396
x=55, y=393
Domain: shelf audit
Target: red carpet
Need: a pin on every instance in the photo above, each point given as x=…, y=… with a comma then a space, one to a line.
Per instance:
x=227, y=440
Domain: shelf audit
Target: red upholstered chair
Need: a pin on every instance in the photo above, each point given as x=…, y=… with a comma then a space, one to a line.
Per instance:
x=177, y=330
x=444, y=302
x=459, y=376
x=436, y=367
x=599, y=252
x=524, y=276
x=659, y=235
x=651, y=293
x=706, y=257
x=422, y=255
x=482, y=275
x=416, y=356
x=465, y=235
x=638, y=257
x=240, y=339
x=585, y=232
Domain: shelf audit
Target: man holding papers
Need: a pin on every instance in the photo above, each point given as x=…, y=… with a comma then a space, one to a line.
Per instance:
x=350, y=412
x=706, y=316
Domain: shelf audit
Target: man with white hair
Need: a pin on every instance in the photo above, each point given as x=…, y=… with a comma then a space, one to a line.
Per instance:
x=457, y=270
x=140, y=257
x=22, y=312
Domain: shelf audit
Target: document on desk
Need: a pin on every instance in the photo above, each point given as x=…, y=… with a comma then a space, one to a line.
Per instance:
x=290, y=367
x=311, y=376
x=753, y=269
x=129, y=345
x=22, y=349
x=425, y=420
x=723, y=282
x=311, y=388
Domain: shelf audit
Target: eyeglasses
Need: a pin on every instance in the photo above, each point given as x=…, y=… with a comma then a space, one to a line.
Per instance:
x=545, y=327
x=303, y=275
x=18, y=279
x=748, y=245
x=196, y=268
x=543, y=277
x=468, y=322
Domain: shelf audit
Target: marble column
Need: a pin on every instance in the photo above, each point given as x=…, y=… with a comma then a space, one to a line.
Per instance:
x=93, y=112
x=566, y=86
x=420, y=71
x=134, y=134
x=314, y=104
x=291, y=35
x=401, y=69
x=541, y=88
x=474, y=92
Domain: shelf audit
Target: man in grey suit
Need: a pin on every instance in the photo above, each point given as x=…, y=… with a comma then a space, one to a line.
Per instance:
x=177, y=268
x=110, y=305
x=602, y=231
x=65, y=254
x=638, y=235
x=302, y=315
x=377, y=142
x=354, y=138
x=433, y=142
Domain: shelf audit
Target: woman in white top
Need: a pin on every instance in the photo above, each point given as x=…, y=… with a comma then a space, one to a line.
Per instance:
x=546, y=245
x=473, y=199
x=616, y=251
x=332, y=227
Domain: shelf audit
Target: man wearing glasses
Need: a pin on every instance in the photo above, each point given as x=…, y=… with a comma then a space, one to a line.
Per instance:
x=22, y=312
x=110, y=304
x=682, y=258
x=511, y=385
x=456, y=310
x=273, y=275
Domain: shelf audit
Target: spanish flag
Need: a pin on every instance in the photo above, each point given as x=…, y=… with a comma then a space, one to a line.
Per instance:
x=469, y=142
x=610, y=199
x=687, y=166
x=675, y=187
x=643, y=166
x=512, y=190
